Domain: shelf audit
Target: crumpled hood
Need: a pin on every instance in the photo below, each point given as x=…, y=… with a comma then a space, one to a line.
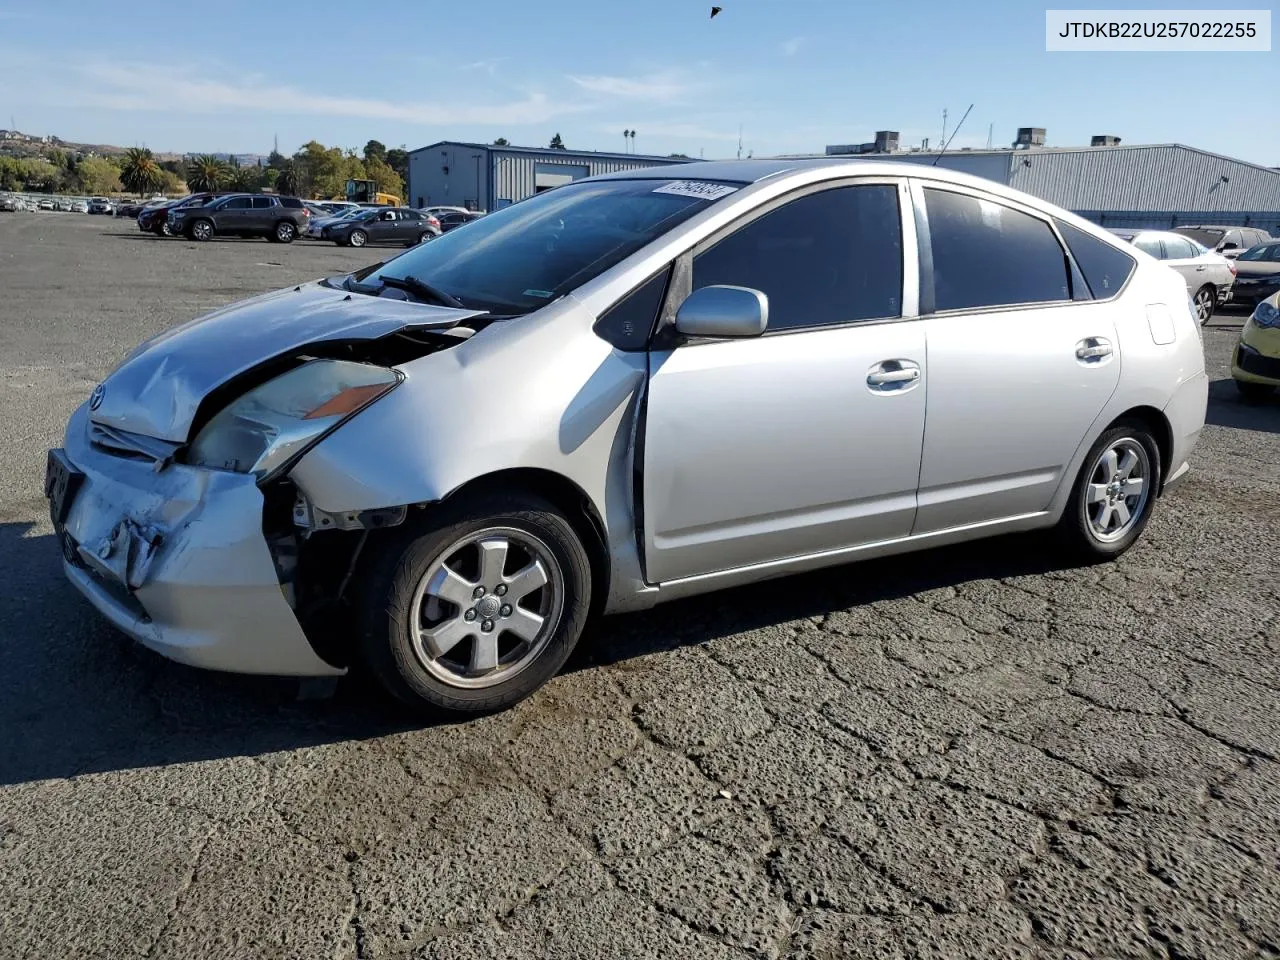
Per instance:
x=158, y=388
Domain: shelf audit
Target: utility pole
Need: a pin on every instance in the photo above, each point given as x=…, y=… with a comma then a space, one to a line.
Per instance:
x=991, y=129
x=739, y=141
x=944, y=126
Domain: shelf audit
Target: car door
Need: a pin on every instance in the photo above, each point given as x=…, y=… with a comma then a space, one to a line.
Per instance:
x=408, y=225
x=807, y=438
x=1018, y=369
x=235, y=215
x=263, y=214
x=1183, y=255
x=382, y=228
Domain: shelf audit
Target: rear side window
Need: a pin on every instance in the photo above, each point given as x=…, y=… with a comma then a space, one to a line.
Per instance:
x=261, y=203
x=291, y=202
x=987, y=255
x=1106, y=268
x=237, y=203
x=1179, y=248
x=829, y=257
x=1150, y=245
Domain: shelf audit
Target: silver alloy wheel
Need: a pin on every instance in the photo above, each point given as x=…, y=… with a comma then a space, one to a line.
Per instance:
x=1204, y=305
x=473, y=624
x=284, y=231
x=357, y=238
x=1118, y=490
x=202, y=230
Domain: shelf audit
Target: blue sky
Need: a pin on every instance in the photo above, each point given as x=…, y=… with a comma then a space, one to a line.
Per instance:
x=796, y=74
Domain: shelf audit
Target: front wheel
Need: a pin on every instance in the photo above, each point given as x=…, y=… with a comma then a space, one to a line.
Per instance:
x=1205, y=300
x=1114, y=494
x=202, y=230
x=478, y=610
x=358, y=238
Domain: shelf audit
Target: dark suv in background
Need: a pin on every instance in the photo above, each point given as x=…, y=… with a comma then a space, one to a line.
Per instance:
x=1226, y=240
x=279, y=219
x=155, y=219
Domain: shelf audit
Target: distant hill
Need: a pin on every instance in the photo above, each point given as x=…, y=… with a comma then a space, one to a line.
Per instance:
x=17, y=143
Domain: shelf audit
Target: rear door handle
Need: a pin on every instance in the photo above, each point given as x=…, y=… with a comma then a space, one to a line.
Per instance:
x=1093, y=349
x=891, y=375
x=1200, y=268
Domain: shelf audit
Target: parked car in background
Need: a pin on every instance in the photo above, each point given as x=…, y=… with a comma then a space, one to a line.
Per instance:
x=279, y=219
x=1209, y=276
x=1257, y=274
x=456, y=218
x=1255, y=364
x=131, y=208
x=338, y=206
x=10, y=204
x=441, y=211
x=316, y=210
x=155, y=218
x=79, y=206
x=630, y=389
x=315, y=228
x=400, y=225
x=1226, y=240
x=45, y=204
x=101, y=205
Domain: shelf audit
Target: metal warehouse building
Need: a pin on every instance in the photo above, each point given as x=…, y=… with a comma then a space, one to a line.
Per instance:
x=486, y=177
x=1157, y=186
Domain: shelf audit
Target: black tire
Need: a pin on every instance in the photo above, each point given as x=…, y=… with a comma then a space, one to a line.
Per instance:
x=1075, y=531
x=1206, y=301
x=201, y=229
x=357, y=238
x=387, y=588
x=1254, y=392
x=286, y=231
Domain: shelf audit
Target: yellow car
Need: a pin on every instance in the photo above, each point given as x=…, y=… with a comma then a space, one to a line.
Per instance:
x=1255, y=365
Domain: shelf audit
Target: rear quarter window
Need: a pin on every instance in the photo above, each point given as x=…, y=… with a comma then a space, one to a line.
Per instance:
x=1106, y=268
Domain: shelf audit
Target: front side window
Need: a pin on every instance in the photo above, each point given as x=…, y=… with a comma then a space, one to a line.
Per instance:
x=988, y=255
x=828, y=257
x=526, y=255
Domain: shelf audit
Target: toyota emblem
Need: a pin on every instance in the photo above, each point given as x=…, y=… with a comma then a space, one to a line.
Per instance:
x=95, y=398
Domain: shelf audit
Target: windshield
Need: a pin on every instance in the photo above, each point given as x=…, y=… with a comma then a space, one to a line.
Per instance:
x=1255, y=253
x=530, y=253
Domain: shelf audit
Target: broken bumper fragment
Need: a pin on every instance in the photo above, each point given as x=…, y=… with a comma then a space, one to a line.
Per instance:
x=175, y=557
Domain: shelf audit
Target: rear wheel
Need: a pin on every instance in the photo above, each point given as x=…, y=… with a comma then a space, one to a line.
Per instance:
x=479, y=609
x=202, y=230
x=285, y=231
x=1114, y=493
x=1205, y=300
x=358, y=238
x=1254, y=392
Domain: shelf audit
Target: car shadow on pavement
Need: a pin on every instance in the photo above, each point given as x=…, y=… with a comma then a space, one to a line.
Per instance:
x=78, y=697
x=1228, y=409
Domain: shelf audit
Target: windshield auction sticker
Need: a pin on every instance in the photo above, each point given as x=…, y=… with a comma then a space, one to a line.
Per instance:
x=699, y=189
x=1133, y=31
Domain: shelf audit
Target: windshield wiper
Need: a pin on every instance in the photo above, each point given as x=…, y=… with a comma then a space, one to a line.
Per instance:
x=423, y=289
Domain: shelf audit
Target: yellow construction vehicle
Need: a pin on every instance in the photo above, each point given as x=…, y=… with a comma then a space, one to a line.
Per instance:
x=366, y=191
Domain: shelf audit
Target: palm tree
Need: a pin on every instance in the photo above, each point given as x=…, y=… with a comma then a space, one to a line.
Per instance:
x=206, y=173
x=139, y=172
x=287, y=179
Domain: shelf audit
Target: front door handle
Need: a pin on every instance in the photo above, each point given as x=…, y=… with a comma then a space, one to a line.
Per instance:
x=890, y=375
x=1093, y=350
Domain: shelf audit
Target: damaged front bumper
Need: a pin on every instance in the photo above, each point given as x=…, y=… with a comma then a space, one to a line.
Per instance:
x=176, y=559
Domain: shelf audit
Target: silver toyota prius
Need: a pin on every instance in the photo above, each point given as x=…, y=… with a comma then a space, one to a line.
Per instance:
x=624, y=390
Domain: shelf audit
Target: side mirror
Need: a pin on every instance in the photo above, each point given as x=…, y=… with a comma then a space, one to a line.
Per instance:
x=723, y=311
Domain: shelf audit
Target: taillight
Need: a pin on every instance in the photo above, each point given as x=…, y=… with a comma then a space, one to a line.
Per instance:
x=1231, y=264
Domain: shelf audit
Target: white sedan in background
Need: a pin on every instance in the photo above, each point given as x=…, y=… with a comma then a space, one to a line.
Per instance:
x=1210, y=276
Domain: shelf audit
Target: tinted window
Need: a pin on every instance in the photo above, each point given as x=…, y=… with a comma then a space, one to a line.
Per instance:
x=829, y=257
x=237, y=203
x=293, y=202
x=1179, y=248
x=410, y=215
x=261, y=203
x=628, y=323
x=986, y=254
x=524, y=256
x=1210, y=238
x=1106, y=268
x=1151, y=245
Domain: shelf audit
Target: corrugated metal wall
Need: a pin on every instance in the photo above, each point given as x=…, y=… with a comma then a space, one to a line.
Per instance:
x=992, y=166
x=1166, y=179
x=514, y=173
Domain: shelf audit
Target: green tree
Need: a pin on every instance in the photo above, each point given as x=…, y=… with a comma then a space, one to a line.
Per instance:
x=98, y=175
x=245, y=179
x=502, y=142
x=286, y=181
x=398, y=160
x=276, y=160
x=557, y=143
x=387, y=179
x=207, y=172
x=171, y=183
x=375, y=150
x=139, y=172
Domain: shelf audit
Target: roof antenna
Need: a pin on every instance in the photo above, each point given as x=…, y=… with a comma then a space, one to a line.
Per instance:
x=953, y=136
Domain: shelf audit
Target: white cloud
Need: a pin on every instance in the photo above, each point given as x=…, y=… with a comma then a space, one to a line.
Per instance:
x=149, y=87
x=655, y=87
x=489, y=66
x=791, y=47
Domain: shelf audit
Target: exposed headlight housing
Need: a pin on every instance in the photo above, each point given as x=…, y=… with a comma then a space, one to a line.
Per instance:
x=275, y=423
x=1266, y=315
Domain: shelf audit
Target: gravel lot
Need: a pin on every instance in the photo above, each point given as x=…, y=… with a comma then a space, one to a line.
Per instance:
x=969, y=752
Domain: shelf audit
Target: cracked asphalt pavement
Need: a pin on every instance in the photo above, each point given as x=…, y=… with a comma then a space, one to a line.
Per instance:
x=973, y=752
